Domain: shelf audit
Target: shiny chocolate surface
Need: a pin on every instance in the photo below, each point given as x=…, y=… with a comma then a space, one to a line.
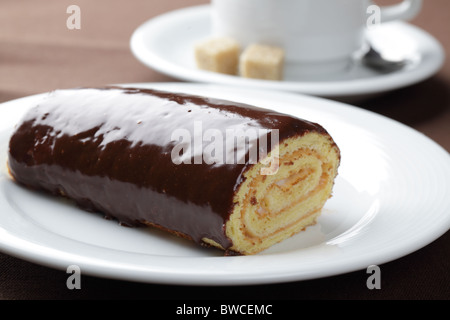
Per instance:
x=111, y=151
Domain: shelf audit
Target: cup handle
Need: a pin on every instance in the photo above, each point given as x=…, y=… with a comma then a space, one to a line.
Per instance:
x=405, y=10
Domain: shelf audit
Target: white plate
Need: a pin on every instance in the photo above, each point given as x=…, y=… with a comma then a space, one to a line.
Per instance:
x=390, y=199
x=165, y=43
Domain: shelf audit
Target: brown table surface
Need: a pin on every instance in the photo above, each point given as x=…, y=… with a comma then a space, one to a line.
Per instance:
x=38, y=53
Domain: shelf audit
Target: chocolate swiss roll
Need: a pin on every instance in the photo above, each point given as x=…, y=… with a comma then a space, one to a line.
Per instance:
x=220, y=173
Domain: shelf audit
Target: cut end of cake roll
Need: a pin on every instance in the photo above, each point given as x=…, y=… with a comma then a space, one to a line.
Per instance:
x=269, y=208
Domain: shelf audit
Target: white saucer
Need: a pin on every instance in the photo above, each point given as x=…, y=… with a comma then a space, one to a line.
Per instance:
x=390, y=199
x=165, y=43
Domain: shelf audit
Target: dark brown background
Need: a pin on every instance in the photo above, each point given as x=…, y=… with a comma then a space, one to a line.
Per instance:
x=38, y=53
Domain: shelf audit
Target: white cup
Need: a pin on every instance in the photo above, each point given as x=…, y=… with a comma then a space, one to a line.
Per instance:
x=312, y=32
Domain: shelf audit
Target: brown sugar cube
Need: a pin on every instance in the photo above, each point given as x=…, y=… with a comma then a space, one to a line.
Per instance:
x=218, y=55
x=262, y=62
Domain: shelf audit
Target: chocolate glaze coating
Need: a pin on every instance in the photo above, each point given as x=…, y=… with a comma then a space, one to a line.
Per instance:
x=109, y=149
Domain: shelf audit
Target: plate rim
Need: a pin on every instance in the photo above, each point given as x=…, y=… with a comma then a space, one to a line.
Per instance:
x=23, y=250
